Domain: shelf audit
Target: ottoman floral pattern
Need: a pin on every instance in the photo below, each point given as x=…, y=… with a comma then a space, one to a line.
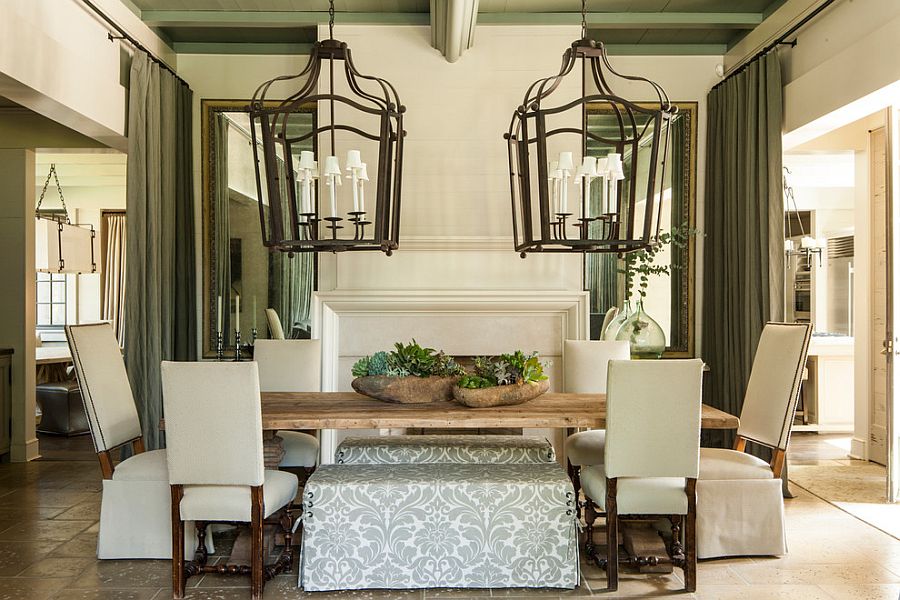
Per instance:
x=459, y=449
x=438, y=525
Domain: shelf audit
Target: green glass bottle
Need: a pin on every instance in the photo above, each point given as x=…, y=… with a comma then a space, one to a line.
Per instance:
x=646, y=337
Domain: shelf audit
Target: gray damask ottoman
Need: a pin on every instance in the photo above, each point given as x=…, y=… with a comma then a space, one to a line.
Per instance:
x=438, y=525
x=459, y=449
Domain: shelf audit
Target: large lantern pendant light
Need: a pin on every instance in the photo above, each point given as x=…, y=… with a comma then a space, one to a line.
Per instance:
x=565, y=199
x=60, y=246
x=312, y=192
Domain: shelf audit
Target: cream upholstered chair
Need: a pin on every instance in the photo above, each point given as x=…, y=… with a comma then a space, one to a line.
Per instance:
x=584, y=372
x=135, y=508
x=274, y=322
x=292, y=366
x=652, y=455
x=740, y=506
x=611, y=314
x=215, y=464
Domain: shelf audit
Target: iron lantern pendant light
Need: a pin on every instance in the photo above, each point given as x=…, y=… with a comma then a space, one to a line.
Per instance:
x=609, y=200
x=305, y=194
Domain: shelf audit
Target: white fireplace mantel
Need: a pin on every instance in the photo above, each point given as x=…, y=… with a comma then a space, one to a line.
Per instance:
x=357, y=323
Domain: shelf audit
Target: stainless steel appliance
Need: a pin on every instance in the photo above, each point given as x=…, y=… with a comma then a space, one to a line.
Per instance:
x=839, y=318
x=798, y=294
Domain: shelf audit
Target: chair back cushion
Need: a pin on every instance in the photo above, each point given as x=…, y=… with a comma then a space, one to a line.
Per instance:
x=275, y=328
x=289, y=365
x=105, y=389
x=585, y=364
x=774, y=384
x=653, y=418
x=213, y=423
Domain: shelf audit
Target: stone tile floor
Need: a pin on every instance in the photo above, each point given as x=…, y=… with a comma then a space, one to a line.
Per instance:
x=48, y=531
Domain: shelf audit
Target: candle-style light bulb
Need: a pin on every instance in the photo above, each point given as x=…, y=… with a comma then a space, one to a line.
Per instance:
x=333, y=175
x=363, y=177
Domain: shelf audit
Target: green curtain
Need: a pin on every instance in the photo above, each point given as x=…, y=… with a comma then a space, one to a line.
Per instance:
x=743, y=263
x=160, y=304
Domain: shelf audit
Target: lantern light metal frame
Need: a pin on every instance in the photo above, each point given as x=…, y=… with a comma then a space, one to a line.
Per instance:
x=286, y=228
x=620, y=230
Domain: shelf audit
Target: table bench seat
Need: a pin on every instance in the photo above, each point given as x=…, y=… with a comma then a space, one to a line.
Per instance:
x=397, y=526
x=458, y=449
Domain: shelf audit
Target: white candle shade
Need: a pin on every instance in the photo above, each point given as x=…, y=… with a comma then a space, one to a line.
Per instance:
x=307, y=160
x=602, y=167
x=589, y=166
x=554, y=172
x=614, y=165
x=808, y=242
x=566, y=162
x=363, y=175
x=332, y=166
x=788, y=245
x=315, y=169
x=353, y=160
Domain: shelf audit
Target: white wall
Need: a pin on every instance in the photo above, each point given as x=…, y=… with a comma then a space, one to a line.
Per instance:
x=456, y=230
x=56, y=60
x=846, y=53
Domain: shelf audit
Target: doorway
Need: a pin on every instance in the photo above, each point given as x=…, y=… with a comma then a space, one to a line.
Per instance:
x=837, y=239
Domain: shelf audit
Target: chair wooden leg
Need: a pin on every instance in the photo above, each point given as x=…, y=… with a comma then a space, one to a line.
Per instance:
x=690, y=538
x=590, y=516
x=612, y=537
x=575, y=476
x=257, y=576
x=178, y=574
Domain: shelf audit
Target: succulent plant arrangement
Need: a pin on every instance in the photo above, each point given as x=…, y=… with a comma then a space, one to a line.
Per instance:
x=506, y=369
x=408, y=360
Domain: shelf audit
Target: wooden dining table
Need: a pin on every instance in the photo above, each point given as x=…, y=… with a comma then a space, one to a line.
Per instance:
x=349, y=410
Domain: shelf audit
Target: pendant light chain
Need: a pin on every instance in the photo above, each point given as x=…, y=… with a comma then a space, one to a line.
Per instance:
x=331, y=19
x=583, y=19
x=62, y=199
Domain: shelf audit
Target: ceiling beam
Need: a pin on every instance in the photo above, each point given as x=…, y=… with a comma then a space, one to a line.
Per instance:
x=241, y=48
x=236, y=18
x=609, y=20
x=666, y=49
x=629, y=20
x=453, y=26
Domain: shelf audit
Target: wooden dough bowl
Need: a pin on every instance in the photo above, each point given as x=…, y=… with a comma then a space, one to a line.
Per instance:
x=405, y=390
x=500, y=395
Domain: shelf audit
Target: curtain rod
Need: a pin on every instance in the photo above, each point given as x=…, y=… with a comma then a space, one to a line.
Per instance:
x=124, y=35
x=782, y=39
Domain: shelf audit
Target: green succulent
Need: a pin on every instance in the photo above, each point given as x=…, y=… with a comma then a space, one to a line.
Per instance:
x=361, y=367
x=379, y=364
x=475, y=382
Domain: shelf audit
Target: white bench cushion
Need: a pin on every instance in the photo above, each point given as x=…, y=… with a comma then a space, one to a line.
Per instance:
x=146, y=466
x=644, y=495
x=300, y=449
x=232, y=502
x=586, y=447
x=721, y=463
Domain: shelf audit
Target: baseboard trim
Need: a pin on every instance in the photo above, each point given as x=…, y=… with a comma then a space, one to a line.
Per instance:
x=859, y=449
x=30, y=450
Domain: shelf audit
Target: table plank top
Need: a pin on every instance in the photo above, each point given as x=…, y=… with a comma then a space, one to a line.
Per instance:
x=349, y=410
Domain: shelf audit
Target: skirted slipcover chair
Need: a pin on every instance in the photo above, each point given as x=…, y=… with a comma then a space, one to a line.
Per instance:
x=652, y=456
x=135, y=509
x=740, y=506
x=611, y=314
x=584, y=372
x=215, y=465
x=274, y=322
x=292, y=366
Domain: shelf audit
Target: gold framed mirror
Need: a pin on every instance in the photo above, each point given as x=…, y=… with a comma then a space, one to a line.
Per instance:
x=669, y=298
x=236, y=264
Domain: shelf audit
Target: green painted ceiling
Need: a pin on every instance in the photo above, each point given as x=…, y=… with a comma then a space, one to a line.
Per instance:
x=289, y=26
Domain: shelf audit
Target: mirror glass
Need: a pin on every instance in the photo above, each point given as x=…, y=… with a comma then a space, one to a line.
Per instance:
x=669, y=297
x=240, y=273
